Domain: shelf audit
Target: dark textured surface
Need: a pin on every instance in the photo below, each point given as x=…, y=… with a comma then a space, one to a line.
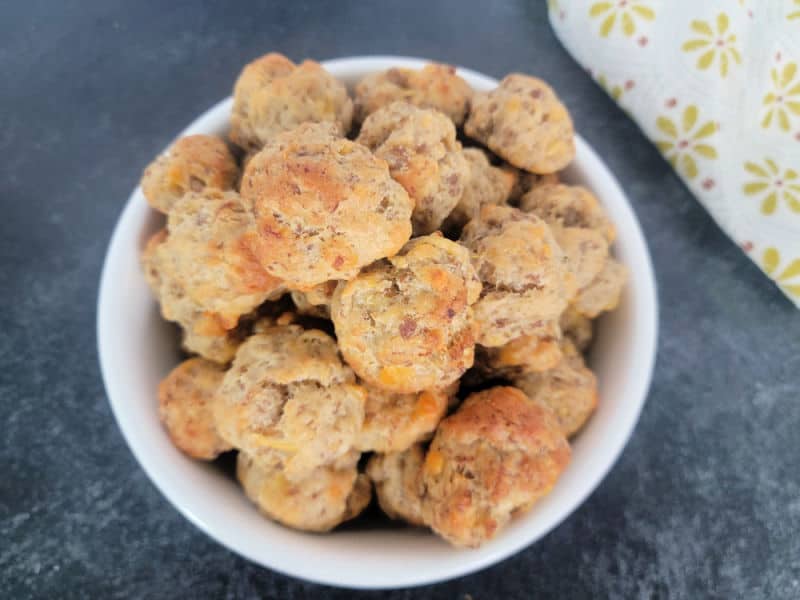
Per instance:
x=705, y=501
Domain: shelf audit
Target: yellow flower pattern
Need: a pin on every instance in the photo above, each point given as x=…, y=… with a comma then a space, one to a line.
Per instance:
x=794, y=15
x=788, y=277
x=783, y=102
x=626, y=12
x=773, y=185
x=687, y=142
x=715, y=44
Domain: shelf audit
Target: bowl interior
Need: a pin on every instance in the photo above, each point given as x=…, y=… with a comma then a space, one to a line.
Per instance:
x=137, y=349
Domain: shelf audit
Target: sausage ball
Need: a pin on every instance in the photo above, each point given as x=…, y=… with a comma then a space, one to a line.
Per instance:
x=324, y=206
x=273, y=95
x=327, y=497
x=569, y=389
x=421, y=150
x=586, y=251
x=393, y=422
x=568, y=206
x=604, y=292
x=192, y=164
x=524, y=122
x=493, y=458
x=524, y=273
x=204, y=273
x=434, y=86
x=538, y=351
x=315, y=302
x=485, y=185
x=397, y=477
x=577, y=327
x=289, y=401
x=185, y=399
x=524, y=182
x=405, y=324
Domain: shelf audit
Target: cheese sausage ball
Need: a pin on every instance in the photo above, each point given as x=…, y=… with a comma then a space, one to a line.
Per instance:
x=577, y=327
x=524, y=273
x=203, y=270
x=434, y=86
x=405, y=324
x=568, y=206
x=397, y=477
x=393, y=422
x=421, y=150
x=315, y=302
x=319, y=502
x=538, y=351
x=485, y=185
x=569, y=389
x=324, y=206
x=604, y=292
x=288, y=401
x=524, y=182
x=192, y=164
x=586, y=251
x=273, y=95
x=493, y=458
x=185, y=406
x=523, y=121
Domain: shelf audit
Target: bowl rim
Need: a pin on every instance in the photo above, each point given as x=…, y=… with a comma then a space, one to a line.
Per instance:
x=470, y=561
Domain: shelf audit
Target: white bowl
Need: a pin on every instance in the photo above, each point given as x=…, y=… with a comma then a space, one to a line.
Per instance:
x=137, y=349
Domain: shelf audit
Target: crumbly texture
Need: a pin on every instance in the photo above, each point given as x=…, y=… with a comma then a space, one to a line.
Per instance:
x=406, y=325
x=524, y=182
x=397, y=477
x=434, y=86
x=569, y=389
x=327, y=497
x=421, y=150
x=604, y=292
x=524, y=273
x=324, y=206
x=586, y=251
x=315, y=302
x=289, y=401
x=185, y=399
x=204, y=273
x=485, y=185
x=577, y=327
x=568, y=206
x=393, y=422
x=192, y=164
x=273, y=95
x=538, y=351
x=524, y=122
x=493, y=458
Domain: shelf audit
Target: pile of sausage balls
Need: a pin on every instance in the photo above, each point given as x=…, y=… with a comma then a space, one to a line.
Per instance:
x=388, y=290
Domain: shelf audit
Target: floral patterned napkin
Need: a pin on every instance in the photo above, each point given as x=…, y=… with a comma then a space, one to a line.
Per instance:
x=715, y=84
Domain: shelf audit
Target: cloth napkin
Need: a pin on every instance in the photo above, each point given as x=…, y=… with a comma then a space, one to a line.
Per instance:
x=715, y=84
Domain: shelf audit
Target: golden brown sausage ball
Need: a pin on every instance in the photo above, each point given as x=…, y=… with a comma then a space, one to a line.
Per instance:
x=568, y=206
x=586, y=251
x=393, y=422
x=604, y=292
x=569, y=389
x=577, y=327
x=324, y=206
x=405, y=324
x=485, y=185
x=327, y=497
x=421, y=150
x=538, y=351
x=397, y=477
x=273, y=95
x=434, y=86
x=493, y=458
x=288, y=400
x=524, y=273
x=185, y=399
x=524, y=122
x=192, y=164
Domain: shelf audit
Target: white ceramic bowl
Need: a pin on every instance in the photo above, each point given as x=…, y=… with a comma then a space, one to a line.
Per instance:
x=137, y=349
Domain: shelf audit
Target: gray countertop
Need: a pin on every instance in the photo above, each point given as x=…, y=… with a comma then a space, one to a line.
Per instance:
x=705, y=500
